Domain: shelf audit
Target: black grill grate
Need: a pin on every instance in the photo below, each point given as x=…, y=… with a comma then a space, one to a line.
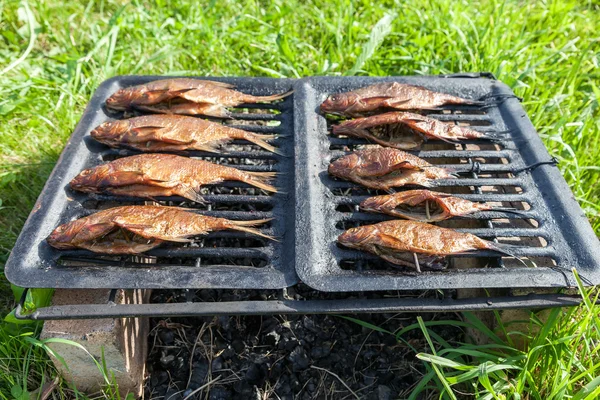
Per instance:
x=221, y=259
x=314, y=208
x=551, y=231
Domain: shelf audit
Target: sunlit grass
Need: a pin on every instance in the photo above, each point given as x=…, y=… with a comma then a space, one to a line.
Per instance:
x=547, y=51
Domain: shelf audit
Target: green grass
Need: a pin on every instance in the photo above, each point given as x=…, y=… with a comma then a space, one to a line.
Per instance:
x=547, y=51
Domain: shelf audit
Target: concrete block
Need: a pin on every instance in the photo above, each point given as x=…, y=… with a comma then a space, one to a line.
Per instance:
x=124, y=342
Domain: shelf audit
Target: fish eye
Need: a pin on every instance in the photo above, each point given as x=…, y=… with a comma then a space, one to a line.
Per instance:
x=334, y=98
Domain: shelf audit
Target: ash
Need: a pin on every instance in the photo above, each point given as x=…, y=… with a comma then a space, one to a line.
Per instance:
x=283, y=357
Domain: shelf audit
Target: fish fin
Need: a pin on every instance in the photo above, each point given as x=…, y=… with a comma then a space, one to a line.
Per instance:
x=152, y=109
x=190, y=193
x=180, y=240
x=208, y=147
x=244, y=226
x=272, y=97
x=152, y=133
x=145, y=133
x=211, y=110
x=507, y=250
x=376, y=100
x=169, y=138
x=261, y=140
x=126, y=248
x=261, y=179
x=94, y=231
x=389, y=241
x=139, y=229
x=373, y=169
x=406, y=165
x=395, y=102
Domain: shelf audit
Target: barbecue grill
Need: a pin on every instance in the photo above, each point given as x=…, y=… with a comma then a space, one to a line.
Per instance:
x=313, y=208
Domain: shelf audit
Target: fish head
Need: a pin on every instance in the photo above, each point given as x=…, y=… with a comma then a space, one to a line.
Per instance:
x=64, y=236
x=111, y=132
x=93, y=180
x=338, y=103
x=358, y=237
x=343, y=167
x=84, y=230
x=123, y=98
x=378, y=203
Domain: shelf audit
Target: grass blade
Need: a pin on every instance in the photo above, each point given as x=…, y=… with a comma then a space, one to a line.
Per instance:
x=438, y=372
x=380, y=31
x=366, y=324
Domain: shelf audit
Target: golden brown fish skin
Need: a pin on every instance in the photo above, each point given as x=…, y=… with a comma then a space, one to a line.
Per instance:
x=448, y=205
x=393, y=95
x=211, y=96
x=389, y=238
x=152, y=224
x=384, y=168
x=182, y=107
x=397, y=123
x=153, y=133
x=156, y=92
x=151, y=175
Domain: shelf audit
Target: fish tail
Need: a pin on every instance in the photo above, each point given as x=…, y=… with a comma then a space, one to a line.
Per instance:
x=494, y=135
x=492, y=99
x=468, y=102
x=507, y=250
x=261, y=140
x=261, y=179
x=273, y=97
x=477, y=103
x=246, y=226
x=510, y=211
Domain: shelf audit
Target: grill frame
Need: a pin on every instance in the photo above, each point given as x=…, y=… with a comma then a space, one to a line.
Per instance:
x=543, y=187
x=302, y=251
x=356, y=304
x=33, y=263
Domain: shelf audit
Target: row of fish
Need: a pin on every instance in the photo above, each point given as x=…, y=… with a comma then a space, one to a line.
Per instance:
x=386, y=166
x=136, y=229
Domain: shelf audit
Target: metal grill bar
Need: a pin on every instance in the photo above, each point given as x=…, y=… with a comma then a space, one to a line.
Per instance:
x=418, y=305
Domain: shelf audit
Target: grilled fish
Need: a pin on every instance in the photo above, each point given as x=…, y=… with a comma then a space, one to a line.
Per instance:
x=394, y=95
x=384, y=168
x=173, y=133
x=184, y=96
x=403, y=130
x=150, y=175
x=392, y=240
x=135, y=229
x=422, y=205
